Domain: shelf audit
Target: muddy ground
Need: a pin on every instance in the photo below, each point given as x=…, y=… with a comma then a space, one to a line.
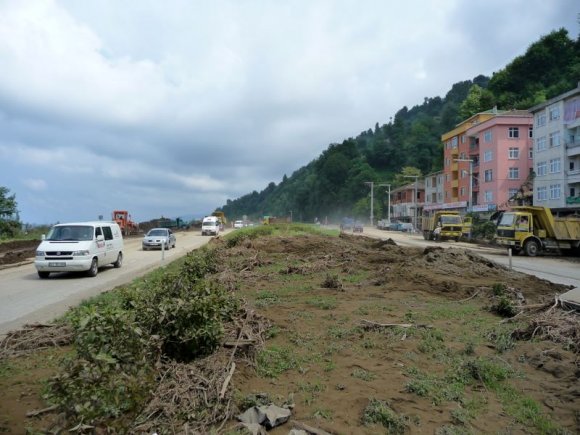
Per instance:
x=356, y=321
x=17, y=251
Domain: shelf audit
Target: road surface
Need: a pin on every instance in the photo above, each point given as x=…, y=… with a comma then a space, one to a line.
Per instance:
x=25, y=298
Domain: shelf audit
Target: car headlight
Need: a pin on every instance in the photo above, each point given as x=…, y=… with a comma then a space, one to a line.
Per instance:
x=80, y=253
x=40, y=253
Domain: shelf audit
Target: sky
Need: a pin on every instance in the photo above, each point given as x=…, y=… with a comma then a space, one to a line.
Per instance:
x=171, y=107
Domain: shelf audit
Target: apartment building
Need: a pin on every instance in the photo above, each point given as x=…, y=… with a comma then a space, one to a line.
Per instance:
x=557, y=152
x=434, y=189
x=500, y=150
x=458, y=157
x=407, y=203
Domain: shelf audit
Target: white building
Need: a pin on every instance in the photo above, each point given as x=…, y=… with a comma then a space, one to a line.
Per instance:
x=557, y=152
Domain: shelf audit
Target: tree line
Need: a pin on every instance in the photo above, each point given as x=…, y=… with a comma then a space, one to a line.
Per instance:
x=333, y=185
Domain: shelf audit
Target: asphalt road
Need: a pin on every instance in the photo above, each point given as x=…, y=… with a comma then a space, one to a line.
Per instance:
x=25, y=298
x=556, y=269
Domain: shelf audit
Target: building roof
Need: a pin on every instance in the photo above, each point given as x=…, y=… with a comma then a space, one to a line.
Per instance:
x=557, y=98
x=410, y=186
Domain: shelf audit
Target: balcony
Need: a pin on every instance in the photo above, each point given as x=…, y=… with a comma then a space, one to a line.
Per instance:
x=573, y=148
x=454, y=184
x=454, y=167
x=573, y=200
x=573, y=176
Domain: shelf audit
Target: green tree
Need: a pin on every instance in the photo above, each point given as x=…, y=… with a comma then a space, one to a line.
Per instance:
x=9, y=222
x=477, y=100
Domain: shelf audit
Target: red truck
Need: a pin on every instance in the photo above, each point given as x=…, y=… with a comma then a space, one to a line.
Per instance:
x=123, y=218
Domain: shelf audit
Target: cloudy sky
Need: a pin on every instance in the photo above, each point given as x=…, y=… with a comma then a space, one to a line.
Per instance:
x=169, y=108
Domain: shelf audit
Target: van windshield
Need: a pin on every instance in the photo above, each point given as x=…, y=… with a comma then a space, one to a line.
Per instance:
x=209, y=224
x=70, y=233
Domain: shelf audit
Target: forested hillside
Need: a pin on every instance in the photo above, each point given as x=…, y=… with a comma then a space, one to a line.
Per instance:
x=333, y=185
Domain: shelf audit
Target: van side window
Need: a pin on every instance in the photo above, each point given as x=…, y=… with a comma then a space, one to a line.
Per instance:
x=108, y=233
x=98, y=232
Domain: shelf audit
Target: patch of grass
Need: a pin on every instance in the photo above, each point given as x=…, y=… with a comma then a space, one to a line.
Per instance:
x=379, y=412
x=432, y=341
x=363, y=374
x=499, y=289
x=331, y=281
x=323, y=413
x=275, y=360
x=525, y=410
x=356, y=277
x=453, y=312
x=323, y=302
x=504, y=307
x=339, y=332
x=267, y=298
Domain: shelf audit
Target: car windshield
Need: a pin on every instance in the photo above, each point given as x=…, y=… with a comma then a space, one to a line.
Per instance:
x=70, y=233
x=157, y=233
x=209, y=224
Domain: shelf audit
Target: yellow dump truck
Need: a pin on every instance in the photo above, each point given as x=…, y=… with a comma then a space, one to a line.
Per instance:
x=535, y=229
x=442, y=225
x=221, y=217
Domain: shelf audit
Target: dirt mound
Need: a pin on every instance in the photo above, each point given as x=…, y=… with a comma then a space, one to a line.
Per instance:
x=17, y=251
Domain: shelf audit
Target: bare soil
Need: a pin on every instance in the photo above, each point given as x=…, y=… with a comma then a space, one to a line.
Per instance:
x=17, y=251
x=327, y=354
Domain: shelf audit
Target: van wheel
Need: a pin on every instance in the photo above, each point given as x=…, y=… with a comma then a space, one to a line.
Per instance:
x=531, y=248
x=119, y=261
x=94, y=268
x=43, y=275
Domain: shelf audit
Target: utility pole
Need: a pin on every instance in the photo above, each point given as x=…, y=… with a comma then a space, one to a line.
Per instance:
x=372, y=184
x=389, y=203
x=414, y=200
x=470, y=199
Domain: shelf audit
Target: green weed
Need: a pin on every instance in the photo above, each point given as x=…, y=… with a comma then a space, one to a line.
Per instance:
x=379, y=412
x=273, y=361
x=323, y=302
x=364, y=375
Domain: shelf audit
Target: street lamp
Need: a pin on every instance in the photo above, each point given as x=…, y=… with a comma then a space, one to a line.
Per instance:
x=389, y=203
x=414, y=199
x=470, y=199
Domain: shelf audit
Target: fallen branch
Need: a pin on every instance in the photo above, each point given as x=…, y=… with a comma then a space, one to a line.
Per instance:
x=368, y=324
x=227, y=381
x=309, y=429
x=38, y=412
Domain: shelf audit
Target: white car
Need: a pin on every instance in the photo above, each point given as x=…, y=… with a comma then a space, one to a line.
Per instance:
x=162, y=238
x=239, y=224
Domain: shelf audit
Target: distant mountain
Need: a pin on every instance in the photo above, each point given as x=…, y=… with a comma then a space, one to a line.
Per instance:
x=333, y=184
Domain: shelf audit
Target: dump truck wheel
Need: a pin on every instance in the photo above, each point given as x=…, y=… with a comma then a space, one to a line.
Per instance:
x=531, y=248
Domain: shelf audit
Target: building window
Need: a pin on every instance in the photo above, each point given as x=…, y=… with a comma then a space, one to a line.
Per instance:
x=554, y=191
x=514, y=132
x=463, y=173
x=462, y=191
x=554, y=113
x=463, y=156
x=554, y=139
x=514, y=173
x=541, y=119
x=488, y=196
x=488, y=175
x=555, y=166
x=541, y=143
x=454, y=142
x=572, y=191
x=531, y=154
x=530, y=132
x=463, y=139
x=488, y=156
x=487, y=136
x=542, y=193
x=514, y=153
x=542, y=169
x=512, y=193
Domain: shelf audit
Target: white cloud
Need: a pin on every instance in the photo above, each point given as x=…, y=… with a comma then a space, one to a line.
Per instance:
x=142, y=104
x=35, y=184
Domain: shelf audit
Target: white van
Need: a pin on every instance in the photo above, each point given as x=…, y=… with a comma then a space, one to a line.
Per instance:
x=210, y=226
x=81, y=246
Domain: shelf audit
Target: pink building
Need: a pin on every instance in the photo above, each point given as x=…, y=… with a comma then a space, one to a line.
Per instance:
x=501, y=151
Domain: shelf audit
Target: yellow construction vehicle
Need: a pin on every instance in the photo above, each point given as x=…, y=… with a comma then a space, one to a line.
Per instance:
x=535, y=229
x=442, y=224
